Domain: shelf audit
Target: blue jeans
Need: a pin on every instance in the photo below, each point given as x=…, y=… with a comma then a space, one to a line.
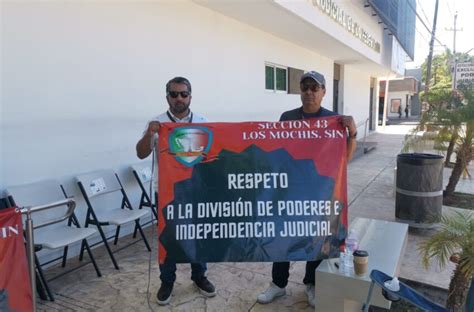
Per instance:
x=168, y=271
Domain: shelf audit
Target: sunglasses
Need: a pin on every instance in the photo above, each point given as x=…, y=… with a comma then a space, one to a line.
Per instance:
x=312, y=87
x=174, y=94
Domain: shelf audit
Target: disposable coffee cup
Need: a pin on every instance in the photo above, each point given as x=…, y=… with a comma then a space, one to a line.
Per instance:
x=361, y=262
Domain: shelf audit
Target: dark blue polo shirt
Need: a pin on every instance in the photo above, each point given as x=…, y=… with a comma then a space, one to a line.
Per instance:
x=298, y=113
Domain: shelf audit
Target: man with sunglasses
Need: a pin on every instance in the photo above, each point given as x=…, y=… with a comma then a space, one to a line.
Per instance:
x=312, y=91
x=178, y=96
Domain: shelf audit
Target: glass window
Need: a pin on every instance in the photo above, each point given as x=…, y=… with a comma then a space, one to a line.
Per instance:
x=269, y=77
x=280, y=79
x=276, y=78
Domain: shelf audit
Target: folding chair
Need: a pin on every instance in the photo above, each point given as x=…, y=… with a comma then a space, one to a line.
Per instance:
x=405, y=293
x=98, y=184
x=54, y=236
x=143, y=173
x=5, y=202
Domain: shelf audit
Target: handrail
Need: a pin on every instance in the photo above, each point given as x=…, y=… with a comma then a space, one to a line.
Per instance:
x=366, y=122
x=30, y=242
x=361, y=123
x=71, y=205
x=365, y=134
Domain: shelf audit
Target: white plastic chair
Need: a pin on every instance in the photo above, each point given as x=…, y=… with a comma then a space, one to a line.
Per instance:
x=97, y=184
x=143, y=174
x=53, y=236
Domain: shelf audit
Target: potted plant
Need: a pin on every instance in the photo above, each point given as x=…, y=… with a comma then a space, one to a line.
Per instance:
x=454, y=241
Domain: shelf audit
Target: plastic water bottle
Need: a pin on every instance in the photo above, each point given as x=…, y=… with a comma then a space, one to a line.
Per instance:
x=342, y=262
x=351, y=245
x=351, y=241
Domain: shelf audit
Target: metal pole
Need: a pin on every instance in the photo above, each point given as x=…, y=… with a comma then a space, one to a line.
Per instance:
x=454, y=37
x=430, y=55
x=365, y=308
x=31, y=255
x=30, y=242
x=385, y=103
x=454, y=52
x=455, y=61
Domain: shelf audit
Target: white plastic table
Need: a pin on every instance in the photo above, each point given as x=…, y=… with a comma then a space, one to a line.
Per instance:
x=385, y=241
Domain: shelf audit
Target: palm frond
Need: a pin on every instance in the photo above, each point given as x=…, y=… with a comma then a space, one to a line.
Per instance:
x=438, y=248
x=456, y=235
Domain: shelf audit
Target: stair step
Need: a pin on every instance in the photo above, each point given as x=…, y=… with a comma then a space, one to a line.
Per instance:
x=369, y=146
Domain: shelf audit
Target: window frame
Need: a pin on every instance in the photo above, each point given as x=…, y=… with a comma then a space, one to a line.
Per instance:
x=274, y=67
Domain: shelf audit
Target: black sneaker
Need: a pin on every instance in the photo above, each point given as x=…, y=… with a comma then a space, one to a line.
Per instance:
x=164, y=293
x=205, y=287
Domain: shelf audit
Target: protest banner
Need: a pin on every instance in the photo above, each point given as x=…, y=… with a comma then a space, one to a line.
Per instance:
x=15, y=290
x=252, y=191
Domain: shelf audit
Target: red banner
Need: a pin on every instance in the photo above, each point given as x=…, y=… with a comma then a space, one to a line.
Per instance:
x=252, y=191
x=15, y=291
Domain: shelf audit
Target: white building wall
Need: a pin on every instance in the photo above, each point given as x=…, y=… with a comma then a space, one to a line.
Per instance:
x=356, y=96
x=313, y=14
x=80, y=80
x=403, y=99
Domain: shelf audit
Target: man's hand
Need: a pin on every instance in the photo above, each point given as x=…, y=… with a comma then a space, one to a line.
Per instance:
x=349, y=123
x=153, y=127
x=145, y=144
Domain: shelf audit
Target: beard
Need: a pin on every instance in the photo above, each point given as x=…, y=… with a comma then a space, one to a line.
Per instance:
x=179, y=108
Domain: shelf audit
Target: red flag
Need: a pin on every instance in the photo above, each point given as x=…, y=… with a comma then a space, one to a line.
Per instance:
x=14, y=278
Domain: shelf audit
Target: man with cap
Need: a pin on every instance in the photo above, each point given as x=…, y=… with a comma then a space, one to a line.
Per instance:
x=178, y=96
x=312, y=91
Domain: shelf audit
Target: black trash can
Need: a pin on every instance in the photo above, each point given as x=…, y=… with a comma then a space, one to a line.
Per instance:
x=419, y=197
